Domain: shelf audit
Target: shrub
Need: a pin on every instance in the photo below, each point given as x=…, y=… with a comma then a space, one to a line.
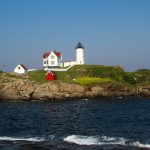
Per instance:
x=86, y=81
x=129, y=78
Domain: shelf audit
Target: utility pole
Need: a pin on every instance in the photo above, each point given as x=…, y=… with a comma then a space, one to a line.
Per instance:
x=4, y=67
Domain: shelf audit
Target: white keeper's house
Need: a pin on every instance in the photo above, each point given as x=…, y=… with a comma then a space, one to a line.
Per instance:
x=53, y=59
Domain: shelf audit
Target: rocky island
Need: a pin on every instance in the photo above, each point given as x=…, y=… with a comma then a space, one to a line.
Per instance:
x=24, y=87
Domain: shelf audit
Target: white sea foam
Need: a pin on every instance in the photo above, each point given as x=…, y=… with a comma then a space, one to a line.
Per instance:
x=103, y=140
x=85, y=99
x=94, y=140
x=112, y=140
x=81, y=140
x=33, y=139
x=138, y=144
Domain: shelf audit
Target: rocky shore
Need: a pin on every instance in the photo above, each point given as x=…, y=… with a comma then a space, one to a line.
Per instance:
x=20, y=89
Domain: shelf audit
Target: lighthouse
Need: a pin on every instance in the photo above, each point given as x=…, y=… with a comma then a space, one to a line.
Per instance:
x=79, y=54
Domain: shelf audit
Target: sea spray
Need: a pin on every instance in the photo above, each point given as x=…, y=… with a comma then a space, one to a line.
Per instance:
x=32, y=139
x=94, y=140
x=104, y=140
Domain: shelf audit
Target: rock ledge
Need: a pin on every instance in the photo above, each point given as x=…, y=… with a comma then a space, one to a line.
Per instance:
x=20, y=89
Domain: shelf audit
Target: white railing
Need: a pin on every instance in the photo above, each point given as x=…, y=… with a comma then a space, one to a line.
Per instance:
x=58, y=69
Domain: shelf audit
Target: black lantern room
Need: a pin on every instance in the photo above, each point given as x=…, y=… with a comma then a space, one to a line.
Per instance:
x=79, y=45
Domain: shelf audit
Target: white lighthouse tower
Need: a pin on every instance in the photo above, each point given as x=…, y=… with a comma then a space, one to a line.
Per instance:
x=79, y=54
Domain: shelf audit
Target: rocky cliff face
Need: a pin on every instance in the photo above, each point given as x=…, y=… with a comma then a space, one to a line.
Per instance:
x=20, y=89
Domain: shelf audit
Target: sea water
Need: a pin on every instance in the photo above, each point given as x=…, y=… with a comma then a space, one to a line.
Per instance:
x=75, y=124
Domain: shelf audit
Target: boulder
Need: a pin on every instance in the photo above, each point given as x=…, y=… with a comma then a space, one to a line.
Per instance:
x=97, y=90
x=10, y=94
x=53, y=87
x=42, y=92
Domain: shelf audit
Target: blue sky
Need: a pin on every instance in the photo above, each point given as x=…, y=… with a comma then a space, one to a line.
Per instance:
x=113, y=32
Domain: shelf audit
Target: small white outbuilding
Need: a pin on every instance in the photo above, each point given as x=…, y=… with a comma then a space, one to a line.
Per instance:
x=21, y=69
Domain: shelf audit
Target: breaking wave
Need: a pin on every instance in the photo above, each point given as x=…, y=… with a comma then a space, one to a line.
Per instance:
x=138, y=144
x=32, y=139
x=94, y=140
x=103, y=140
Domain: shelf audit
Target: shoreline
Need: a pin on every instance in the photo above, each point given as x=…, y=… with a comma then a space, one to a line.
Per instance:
x=70, y=99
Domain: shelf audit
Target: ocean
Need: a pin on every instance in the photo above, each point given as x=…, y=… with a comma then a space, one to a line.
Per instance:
x=88, y=124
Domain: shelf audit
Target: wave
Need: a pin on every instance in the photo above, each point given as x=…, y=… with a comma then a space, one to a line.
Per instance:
x=85, y=140
x=103, y=140
x=138, y=144
x=94, y=140
x=32, y=139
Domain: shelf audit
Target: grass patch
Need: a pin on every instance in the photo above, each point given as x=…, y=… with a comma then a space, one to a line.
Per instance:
x=94, y=74
x=14, y=76
x=117, y=74
x=96, y=71
x=38, y=76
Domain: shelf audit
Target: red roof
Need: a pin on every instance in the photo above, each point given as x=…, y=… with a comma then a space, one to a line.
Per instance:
x=51, y=72
x=23, y=67
x=58, y=54
x=46, y=54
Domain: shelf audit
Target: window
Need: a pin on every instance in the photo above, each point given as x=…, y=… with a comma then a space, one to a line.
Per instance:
x=46, y=62
x=52, y=62
x=18, y=68
x=52, y=57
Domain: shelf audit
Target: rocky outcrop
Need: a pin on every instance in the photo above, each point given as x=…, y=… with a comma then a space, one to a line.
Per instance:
x=27, y=90
x=144, y=91
x=20, y=89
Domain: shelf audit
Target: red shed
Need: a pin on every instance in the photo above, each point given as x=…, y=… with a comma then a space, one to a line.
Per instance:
x=51, y=76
